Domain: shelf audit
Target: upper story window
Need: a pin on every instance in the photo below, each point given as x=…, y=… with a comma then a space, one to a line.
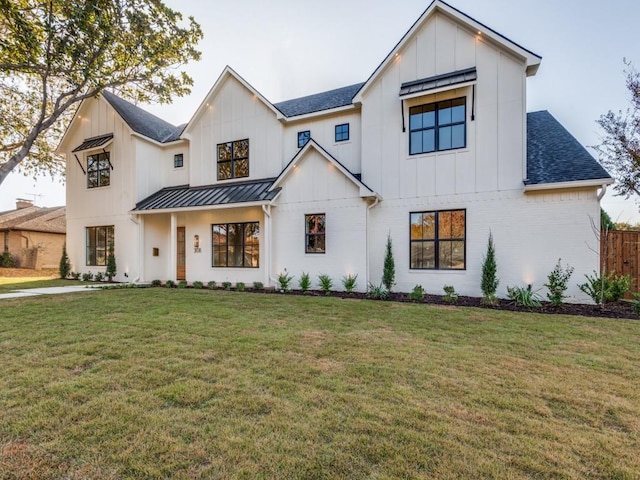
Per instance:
x=342, y=132
x=178, y=160
x=98, y=170
x=99, y=241
x=233, y=159
x=438, y=240
x=303, y=138
x=315, y=233
x=437, y=126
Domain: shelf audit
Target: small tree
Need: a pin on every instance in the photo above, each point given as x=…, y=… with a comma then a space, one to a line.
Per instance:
x=111, y=264
x=389, y=268
x=558, y=282
x=490, y=281
x=65, y=265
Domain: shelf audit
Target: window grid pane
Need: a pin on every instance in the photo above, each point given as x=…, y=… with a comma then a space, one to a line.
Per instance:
x=99, y=240
x=342, y=132
x=315, y=233
x=437, y=240
x=98, y=170
x=233, y=159
x=437, y=126
x=236, y=245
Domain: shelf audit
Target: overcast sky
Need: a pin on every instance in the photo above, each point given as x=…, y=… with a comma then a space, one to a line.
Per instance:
x=291, y=48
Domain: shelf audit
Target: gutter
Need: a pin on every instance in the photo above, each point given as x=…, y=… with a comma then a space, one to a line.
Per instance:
x=562, y=185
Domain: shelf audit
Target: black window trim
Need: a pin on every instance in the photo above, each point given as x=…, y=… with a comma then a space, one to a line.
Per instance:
x=244, y=238
x=436, y=241
x=233, y=160
x=342, y=133
x=180, y=157
x=98, y=170
x=305, y=135
x=307, y=234
x=437, y=126
x=95, y=249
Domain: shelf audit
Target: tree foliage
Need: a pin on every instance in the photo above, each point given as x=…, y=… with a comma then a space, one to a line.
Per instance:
x=620, y=148
x=65, y=264
x=490, y=281
x=389, y=266
x=56, y=53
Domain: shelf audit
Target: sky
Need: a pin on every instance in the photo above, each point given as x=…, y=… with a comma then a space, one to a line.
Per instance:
x=291, y=48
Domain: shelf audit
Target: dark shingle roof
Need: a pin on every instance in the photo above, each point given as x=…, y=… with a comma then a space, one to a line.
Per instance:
x=554, y=155
x=144, y=122
x=339, y=97
x=185, y=196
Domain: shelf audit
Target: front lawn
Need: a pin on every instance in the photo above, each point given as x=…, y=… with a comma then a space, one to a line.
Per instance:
x=175, y=383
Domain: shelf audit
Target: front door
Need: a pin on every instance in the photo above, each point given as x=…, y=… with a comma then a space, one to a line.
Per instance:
x=181, y=273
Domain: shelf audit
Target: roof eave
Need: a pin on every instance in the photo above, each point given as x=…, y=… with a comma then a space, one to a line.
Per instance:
x=319, y=113
x=201, y=207
x=594, y=183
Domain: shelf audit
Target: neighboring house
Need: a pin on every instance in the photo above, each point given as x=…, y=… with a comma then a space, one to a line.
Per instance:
x=33, y=236
x=435, y=149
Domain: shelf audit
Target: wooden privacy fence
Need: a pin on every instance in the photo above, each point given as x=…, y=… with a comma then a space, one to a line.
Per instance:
x=619, y=253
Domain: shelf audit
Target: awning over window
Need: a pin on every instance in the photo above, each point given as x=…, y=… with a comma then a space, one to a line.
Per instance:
x=438, y=82
x=93, y=142
x=209, y=196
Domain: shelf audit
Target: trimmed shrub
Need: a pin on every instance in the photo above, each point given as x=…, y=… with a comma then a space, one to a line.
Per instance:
x=65, y=264
x=258, y=285
x=99, y=276
x=349, y=283
x=7, y=260
x=417, y=294
x=198, y=284
x=606, y=289
x=284, y=280
x=240, y=286
x=490, y=281
x=305, y=282
x=226, y=285
x=112, y=269
x=212, y=285
x=325, y=283
x=87, y=277
x=389, y=267
x=450, y=294
x=169, y=284
x=558, y=281
x=156, y=283
x=182, y=284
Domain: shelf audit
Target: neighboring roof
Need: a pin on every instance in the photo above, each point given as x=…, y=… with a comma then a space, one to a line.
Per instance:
x=143, y=122
x=555, y=156
x=365, y=191
x=439, y=81
x=532, y=59
x=93, y=142
x=35, y=219
x=208, y=196
x=339, y=97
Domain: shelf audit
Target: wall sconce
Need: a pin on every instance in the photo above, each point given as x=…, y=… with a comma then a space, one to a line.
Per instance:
x=196, y=243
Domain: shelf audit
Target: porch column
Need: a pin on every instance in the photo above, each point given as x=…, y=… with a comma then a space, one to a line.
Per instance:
x=267, y=244
x=141, y=249
x=173, y=250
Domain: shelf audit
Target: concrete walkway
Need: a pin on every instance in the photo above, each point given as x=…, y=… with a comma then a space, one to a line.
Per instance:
x=32, y=292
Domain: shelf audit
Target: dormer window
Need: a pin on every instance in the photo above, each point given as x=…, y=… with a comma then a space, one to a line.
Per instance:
x=233, y=159
x=438, y=126
x=98, y=170
x=178, y=160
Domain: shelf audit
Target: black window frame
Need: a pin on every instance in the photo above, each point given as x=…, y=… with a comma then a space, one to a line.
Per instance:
x=303, y=137
x=92, y=233
x=100, y=163
x=340, y=134
x=178, y=160
x=233, y=159
x=438, y=125
x=437, y=241
x=311, y=237
x=244, y=245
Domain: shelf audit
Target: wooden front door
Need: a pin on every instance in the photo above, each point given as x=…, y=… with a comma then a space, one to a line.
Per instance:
x=181, y=273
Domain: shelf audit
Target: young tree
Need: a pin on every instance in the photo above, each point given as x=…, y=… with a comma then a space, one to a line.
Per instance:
x=389, y=267
x=111, y=264
x=620, y=148
x=489, y=283
x=65, y=265
x=56, y=53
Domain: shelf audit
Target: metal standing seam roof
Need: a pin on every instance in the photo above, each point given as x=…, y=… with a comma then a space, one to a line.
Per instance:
x=439, y=81
x=93, y=142
x=555, y=156
x=338, y=97
x=185, y=196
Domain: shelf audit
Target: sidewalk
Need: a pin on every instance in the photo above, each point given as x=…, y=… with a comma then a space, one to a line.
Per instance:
x=32, y=292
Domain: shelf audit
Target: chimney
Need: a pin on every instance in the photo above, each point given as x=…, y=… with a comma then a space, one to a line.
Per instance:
x=23, y=203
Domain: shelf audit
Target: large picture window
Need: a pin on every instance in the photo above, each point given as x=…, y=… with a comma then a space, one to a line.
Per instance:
x=233, y=159
x=314, y=241
x=236, y=245
x=438, y=240
x=437, y=126
x=99, y=240
x=98, y=170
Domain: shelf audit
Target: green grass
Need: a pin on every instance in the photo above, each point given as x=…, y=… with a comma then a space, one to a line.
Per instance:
x=8, y=284
x=160, y=383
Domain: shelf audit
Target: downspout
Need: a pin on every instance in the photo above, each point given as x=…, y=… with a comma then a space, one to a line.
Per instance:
x=602, y=192
x=267, y=243
x=367, y=252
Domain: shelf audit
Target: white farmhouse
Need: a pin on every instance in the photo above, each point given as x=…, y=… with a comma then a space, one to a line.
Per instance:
x=435, y=149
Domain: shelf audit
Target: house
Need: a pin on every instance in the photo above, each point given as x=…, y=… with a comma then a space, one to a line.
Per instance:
x=435, y=149
x=33, y=236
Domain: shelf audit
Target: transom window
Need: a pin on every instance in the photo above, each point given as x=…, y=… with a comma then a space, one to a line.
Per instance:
x=342, y=132
x=233, y=159
x=178, y=160
x=98, y=170
x=303, y=138
x=437, y=126
x=99, y=240
x=438, y=240
x=315, y=231
x=236, y=245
